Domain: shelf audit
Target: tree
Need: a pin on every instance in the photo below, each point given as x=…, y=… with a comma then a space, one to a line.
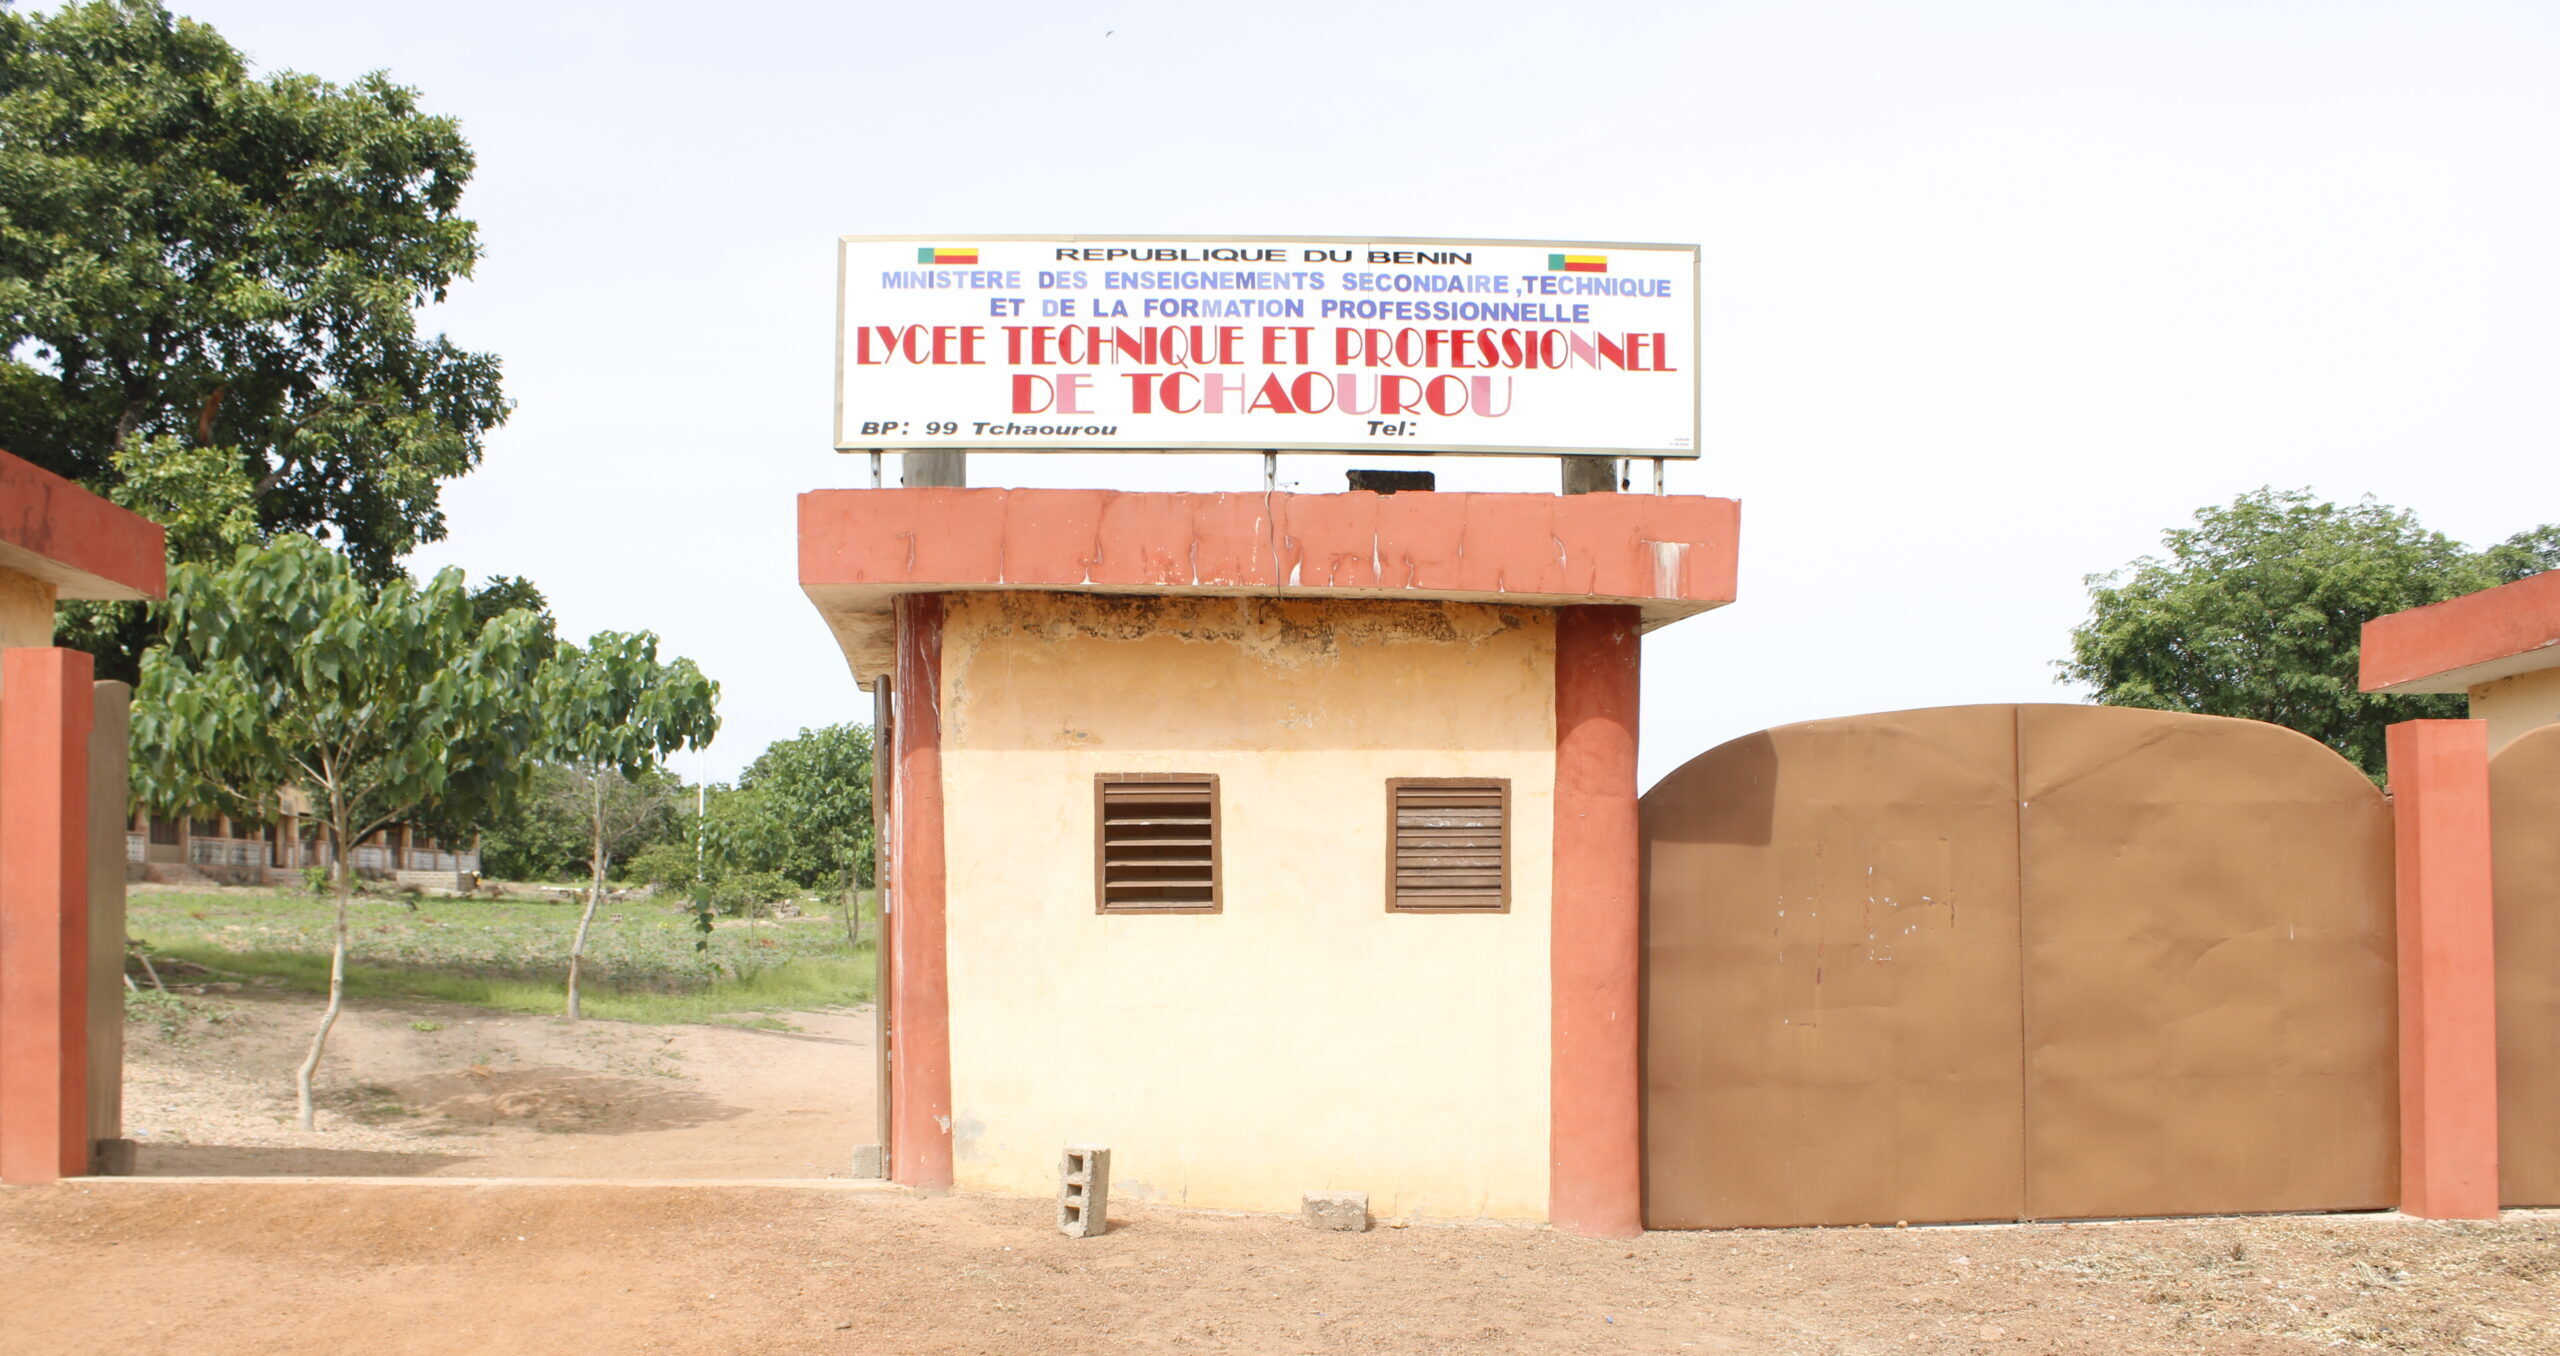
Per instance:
x=2258, y=611
x=611, y=712
x=2530, y=552
x=541, y=835
x=199, y=496
x=515, y=593
x=818, y=783
x=285, y=669
x=201, y=266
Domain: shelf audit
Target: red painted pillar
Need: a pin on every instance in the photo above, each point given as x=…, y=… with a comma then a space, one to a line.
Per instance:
x=45, y=700
x=920, y=1018
x=1595, y=1168
x=2448, y=970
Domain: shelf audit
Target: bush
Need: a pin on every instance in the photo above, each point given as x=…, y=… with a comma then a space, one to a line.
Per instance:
x=750, y=893
x=668, y=864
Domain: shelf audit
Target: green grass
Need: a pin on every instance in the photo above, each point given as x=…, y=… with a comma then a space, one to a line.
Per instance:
x=173, y=1014
x=513, y=955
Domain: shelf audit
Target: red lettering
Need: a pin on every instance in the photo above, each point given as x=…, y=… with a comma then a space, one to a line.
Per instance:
x=1446, y=395
x=1346, y=395
x=1304, y=389
x=1138, y=348
x=1220, y=387
x=1273, y=397
x=1024, y=385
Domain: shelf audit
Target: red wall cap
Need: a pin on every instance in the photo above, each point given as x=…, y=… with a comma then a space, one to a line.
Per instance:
x=81, y=544
x=2461, y=642
x=1670, y=556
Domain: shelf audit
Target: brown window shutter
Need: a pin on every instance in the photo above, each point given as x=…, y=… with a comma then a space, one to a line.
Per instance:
x=1448, y=845
x=1155, y=847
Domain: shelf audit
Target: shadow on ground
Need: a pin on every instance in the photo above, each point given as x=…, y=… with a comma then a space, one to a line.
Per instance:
x=226, y=1160
x=549, y=1098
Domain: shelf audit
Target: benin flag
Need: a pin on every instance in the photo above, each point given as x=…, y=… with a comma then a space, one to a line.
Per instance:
x=1577, y=263
x=930, y=255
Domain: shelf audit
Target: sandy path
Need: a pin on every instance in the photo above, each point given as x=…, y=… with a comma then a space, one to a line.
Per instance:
x=427, y=1089
x=285, y=1268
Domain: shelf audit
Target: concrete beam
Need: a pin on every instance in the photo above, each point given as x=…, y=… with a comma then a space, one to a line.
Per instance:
x=44, y=914
x=80, y=544
x=2448, y=969
x=2461, y=643
x=1670, y=556
x=1596, y=1081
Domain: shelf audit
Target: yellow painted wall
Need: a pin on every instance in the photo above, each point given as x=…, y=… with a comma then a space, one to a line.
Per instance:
x=2512, y=706
x=26, y=611
x=1304, y=1039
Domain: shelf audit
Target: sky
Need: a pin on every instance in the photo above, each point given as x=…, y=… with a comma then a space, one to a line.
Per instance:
x=1992, y=293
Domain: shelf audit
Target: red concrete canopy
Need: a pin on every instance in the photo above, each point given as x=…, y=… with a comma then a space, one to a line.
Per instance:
x=2462, y=642
x=84, y=546
x=1669, y=556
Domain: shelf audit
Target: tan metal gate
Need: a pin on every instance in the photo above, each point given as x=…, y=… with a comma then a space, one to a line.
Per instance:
x=2005, y=962
x=2524, y=807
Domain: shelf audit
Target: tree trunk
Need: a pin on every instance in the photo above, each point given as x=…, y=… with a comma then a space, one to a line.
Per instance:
x=340, y=868
x=595, y=892
x=852, y=911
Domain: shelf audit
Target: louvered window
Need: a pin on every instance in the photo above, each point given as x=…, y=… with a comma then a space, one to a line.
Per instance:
x=1156, y=842
x=1448, y=845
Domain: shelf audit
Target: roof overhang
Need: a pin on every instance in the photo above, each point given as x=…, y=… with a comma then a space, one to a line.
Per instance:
x=85, y=547
x=1669, y=556
x=2458, y=644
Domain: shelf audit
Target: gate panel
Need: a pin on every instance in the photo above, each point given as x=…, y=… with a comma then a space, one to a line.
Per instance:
x=1832, y=985
x=2208, y=947
x=2524, y=816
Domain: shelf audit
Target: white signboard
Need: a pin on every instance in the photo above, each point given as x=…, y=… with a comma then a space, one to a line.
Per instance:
x=1150, y=343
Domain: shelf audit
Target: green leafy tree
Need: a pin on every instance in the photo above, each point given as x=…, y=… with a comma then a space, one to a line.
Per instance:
x=202, y=499
x=202, y=268
x=542, y=835
x=815, y=793
x=723, y=858
x=515, y=593
x=2526, y=553
x=285, y=669
x=2258, y=609
x=611, y=714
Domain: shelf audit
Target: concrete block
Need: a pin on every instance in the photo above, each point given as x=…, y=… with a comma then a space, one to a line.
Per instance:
x=1084, y=1191
x=1339, y=1211
x=1392, y=482
x=871, y=1160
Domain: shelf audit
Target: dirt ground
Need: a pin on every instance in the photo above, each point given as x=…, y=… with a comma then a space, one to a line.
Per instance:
x=430, y=1096
x=414, y=1088
x=286, y=1267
